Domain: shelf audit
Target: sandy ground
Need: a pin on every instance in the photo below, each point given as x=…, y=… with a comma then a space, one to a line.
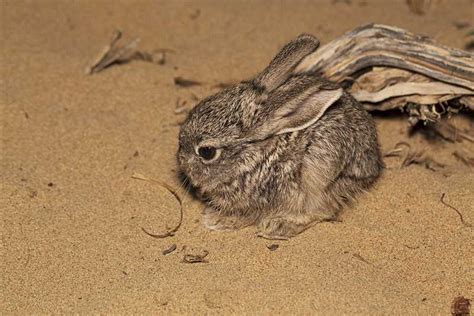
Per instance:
x=71, y=213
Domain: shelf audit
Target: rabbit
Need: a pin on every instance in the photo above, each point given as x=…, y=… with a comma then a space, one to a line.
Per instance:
x=281, y=151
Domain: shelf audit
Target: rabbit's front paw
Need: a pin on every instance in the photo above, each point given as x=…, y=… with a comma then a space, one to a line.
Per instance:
x=214, y=221
x=279, y=228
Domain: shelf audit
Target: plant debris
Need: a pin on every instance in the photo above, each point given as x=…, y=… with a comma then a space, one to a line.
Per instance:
x=359, y=257
x=273, y=247
x=451, y=133
x=465, y=157
x=158, y=56
x=461, y=24
x=409, y=156
x=112, y=53
x=386, y=88
x=181, y=107
x=193, y=258
x=224, y=85
x=185, y=83
x=175, y=194
x=386, y=67
x=169, y=250
x=461, y=306
x=117, y=53
x=412, y=247
x=455, y=209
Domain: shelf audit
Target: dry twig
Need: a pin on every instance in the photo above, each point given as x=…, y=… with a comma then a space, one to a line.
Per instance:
x=181, y=107
x=193, y=258
x=455, y=209
x=185, y=83
x=359, y=257
x=169, y=250
x=175, y=194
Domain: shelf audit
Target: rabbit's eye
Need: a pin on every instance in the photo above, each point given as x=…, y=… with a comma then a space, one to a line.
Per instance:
x=207, y=153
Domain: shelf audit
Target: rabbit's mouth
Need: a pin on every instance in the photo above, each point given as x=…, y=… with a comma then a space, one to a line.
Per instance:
x=201, y=190
x=193, y=182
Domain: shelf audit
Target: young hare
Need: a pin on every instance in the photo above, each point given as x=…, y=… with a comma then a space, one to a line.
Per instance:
x=281, y=151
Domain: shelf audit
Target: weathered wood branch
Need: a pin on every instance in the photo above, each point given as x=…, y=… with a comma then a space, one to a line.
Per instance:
x=385, y=67
x=380, y=45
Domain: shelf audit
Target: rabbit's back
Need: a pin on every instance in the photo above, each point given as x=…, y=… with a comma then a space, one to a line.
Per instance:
x=343, y=151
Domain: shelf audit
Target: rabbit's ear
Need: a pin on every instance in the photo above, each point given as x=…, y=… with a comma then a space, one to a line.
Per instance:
x=298, y=113
x=286, y=60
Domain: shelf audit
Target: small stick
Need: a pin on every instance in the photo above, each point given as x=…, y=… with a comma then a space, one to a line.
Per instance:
x=190, y=258
x=357, y=256
x=273, y=247
x=453, y=208
x=175, y=194
x=169, y=250
x=182, y=82
x=181, y=106
x=395, y=152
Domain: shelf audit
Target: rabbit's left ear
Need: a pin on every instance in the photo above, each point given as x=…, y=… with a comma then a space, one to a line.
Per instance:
x=298, y=113
x=285, y=61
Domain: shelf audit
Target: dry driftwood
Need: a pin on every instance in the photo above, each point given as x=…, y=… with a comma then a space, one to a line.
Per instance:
x=387, y=67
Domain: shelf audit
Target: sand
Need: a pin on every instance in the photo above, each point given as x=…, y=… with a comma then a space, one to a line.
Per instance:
x=72, y=215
